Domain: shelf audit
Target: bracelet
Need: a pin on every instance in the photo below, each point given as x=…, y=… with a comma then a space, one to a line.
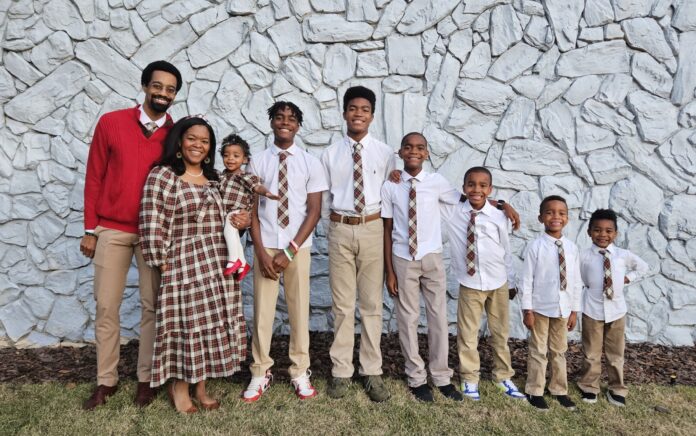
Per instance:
x=91, y=234
x=294, y=245
x=288, y=254
x=500, y=205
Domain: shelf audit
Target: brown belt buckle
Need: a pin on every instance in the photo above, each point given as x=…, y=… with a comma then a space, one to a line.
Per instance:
x=351, y=220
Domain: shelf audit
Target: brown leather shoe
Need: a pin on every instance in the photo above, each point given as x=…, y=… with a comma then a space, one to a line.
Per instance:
x=99, y=396
x=145, y=394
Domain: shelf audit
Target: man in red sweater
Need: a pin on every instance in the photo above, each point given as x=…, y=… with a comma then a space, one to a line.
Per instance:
x=125, y=145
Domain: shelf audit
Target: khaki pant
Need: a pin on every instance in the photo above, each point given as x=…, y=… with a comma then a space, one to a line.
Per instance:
x=550, y=335
x=112, y=260
x=611, y=335
x=415, y=278
x=356, y=269
x=296, y=286
x=472, y=303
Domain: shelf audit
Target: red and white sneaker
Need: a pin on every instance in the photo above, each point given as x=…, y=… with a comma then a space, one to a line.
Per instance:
x=303, y=388
x=257, y=386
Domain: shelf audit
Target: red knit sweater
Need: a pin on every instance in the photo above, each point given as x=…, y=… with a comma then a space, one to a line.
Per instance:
x=119, y=161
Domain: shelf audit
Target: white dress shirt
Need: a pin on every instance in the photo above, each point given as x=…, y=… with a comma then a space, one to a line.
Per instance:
x=431, y=190
x=378, y=160
x=493, y=259
x=145, y=119
x=623, y=264
x=540, y=284
x=305, y=176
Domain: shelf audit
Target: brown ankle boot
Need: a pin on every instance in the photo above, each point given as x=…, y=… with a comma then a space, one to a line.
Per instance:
x=145, y=394
x=99, y=396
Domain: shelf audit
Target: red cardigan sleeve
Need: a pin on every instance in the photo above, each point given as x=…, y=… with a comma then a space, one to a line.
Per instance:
x=97, y=162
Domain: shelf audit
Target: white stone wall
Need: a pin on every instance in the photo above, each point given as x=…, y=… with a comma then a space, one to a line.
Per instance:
x=593, y=100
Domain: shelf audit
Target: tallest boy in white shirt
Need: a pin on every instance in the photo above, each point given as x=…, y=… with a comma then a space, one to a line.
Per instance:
x=356, y=258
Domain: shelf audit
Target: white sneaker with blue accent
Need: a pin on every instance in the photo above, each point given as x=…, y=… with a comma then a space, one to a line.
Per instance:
x=509, y=389
x=471, y=391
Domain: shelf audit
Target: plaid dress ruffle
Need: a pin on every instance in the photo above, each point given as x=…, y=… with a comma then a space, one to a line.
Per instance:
x=237, y=190
x=200, y=327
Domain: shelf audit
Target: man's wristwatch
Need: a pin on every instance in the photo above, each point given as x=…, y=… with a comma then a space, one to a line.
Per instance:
x=91, y=234
x=500, y=205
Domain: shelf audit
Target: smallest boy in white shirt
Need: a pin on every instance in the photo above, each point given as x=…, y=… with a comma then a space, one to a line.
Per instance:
x=413, y=265
x=482, y=263
x=605, y=268
x=551, y=291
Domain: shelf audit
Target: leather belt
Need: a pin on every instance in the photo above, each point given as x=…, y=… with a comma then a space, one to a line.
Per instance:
x=353, y=220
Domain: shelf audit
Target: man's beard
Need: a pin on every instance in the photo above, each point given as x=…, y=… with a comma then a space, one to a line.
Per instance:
x=159, y=107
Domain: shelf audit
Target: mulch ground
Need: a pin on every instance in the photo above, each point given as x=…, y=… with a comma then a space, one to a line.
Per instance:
x=645, y=363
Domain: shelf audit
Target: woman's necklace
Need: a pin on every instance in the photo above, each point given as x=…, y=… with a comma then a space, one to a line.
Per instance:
x=194, y=175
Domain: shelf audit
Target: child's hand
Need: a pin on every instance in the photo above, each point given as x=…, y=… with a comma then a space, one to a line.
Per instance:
x=272, y=196
x=528, y=319
x=395, y=176
x=163, y=268
x=512, y=292
x=572, y=320
x=392, y=286
x=626, y=280
x=512, y=215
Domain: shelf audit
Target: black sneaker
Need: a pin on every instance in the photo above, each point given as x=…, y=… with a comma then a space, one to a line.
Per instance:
x=565, y=401
x=449, y=391
x=589, y=397
x=422, y=393
x=616, y=400
x=538, y=402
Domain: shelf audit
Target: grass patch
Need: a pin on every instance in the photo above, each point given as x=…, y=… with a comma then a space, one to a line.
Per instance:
x=55, y=409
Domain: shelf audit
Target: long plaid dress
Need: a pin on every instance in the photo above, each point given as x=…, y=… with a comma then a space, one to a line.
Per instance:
x=200, y=327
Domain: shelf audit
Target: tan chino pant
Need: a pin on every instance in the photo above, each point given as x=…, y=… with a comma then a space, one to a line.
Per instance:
x=424, y=277
x=471, y=305
x=356, y=270
x=296, y=285
x=550, y=335
x=112, y=260
x=611, y=336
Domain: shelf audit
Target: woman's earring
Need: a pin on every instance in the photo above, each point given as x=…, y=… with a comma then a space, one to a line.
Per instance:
x=206, y=160
x=178, y=155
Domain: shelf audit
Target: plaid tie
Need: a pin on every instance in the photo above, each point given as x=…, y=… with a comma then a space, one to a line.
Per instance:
x=608, y=283
x=150, y=128
x=412, y=220
x=562, y=265
x=283, y=212
x=471, y=244
x=358, y=187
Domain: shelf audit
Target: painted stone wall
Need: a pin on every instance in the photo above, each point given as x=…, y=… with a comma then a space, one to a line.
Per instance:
x=593, y=100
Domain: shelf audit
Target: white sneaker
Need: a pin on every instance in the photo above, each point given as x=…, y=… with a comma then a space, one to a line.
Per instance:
x=509, y=389
x=303, y=387
x=257, y=386
x=471, y=391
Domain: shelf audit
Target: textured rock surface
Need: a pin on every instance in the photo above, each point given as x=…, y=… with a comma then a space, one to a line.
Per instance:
x=592, y=99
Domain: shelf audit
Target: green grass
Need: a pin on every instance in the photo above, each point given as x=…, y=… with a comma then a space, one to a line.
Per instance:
x=56, y=409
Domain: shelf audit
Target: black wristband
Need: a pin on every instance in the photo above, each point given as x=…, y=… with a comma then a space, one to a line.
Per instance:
x=91, y=234
x=500, y=205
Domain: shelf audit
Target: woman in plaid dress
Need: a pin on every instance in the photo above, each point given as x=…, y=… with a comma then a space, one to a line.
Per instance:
x=200, y=329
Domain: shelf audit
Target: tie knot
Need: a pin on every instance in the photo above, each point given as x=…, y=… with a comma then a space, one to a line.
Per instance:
x=558, y=243
x=413, y=181
x=357, y=147
x=283, y=155
x=151, y=126
x=603, y=252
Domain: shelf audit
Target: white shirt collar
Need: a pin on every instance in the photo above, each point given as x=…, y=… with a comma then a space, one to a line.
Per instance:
x=420, y=176
x=487, y=209
x=350, y=142
x=276, y=150
x=144, y=118
x=550, y=239
x=611, y=248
